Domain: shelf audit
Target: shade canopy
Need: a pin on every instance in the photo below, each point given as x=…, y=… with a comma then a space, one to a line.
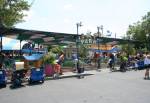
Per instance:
x=33, y=57
x=41, y=37
x=53, y=38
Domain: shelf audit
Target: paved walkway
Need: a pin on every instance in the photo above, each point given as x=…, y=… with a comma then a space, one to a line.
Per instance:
x=102, y=87
x=69, y=74
x=87, y=72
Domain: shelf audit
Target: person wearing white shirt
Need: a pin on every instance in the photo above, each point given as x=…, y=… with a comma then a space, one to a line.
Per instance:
x=147, y=65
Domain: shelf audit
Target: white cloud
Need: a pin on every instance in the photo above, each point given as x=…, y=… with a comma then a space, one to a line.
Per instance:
x=67, y=21
x=86, y=28
x=30, y=15
x=114, y=15
x=68, y=7
x=35, y=21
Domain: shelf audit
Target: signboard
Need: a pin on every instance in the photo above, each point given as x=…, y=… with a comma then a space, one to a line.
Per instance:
x=19, y=65
x=90, y=41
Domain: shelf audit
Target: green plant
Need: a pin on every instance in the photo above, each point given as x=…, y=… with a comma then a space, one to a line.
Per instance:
x=68, y=63
x=56, y=49
x=83, y=51
x=49, y=58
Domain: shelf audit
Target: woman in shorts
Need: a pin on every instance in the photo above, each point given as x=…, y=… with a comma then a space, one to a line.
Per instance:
x=147, y=66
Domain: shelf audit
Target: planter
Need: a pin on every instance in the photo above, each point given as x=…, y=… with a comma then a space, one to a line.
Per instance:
x=49, y=71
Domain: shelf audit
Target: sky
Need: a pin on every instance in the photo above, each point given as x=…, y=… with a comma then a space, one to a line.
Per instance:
x=12, y=44
x=63, y=15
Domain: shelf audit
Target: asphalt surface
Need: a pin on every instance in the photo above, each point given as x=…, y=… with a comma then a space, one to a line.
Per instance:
x=102, y=87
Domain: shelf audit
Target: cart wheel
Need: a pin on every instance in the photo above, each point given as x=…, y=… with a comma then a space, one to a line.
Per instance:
x=54, y=76
x=5, y=85
x=30, y=81
x=42, y=81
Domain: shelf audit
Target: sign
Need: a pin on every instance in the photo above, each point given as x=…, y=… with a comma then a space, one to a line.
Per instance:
x=90, y=41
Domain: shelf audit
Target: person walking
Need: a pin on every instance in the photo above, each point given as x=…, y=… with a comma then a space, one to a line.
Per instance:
x=111, y=62
x=147, y=66
x=75, y=60
x=60, y=61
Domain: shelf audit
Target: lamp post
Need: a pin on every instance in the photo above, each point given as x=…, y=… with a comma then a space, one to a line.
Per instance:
x=1, y=34
x=98, y=37
x=1, y=37
x=77, y=43
x=98, y=41
x=20, y=48
x=101, y=27
x=2, y=25
x=128, y=44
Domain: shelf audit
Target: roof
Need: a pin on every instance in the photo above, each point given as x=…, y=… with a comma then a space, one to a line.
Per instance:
x=42, y=37
x=51, y=38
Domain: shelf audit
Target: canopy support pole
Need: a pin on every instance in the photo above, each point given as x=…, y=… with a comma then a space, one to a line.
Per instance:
x=1, y=45
x=38, y=47
x=20, y=48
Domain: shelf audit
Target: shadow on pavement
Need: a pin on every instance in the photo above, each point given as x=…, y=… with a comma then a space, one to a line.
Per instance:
x=1, y=87
x=69, y=76
x=16, y=87
x=34, y=83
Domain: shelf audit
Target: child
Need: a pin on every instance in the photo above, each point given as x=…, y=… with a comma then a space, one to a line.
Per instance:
x=110, y=64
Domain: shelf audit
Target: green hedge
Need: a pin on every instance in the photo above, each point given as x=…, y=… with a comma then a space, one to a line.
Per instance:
x=68, y=63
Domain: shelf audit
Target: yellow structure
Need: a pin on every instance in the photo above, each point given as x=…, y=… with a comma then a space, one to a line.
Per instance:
x=101, y=47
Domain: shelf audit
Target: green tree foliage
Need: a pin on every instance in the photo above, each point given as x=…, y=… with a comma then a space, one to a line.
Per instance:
x=12, y=11
x=84, y=47
x=83, y=51
x=139, y=30
x=56, y=49
x=49, y=58
x=129, y=49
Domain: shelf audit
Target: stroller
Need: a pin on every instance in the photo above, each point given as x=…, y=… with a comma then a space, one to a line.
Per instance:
x=140, y=64
x=2, y=78
x=37, y=75
x=17, y=77
x=123, y=66
x=80, y=70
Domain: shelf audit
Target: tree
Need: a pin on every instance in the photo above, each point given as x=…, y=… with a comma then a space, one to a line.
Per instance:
x=139, y=30
x=12, y=11
x=84, y=47
x=56, y=49
x=83, y=50
x=129, y=49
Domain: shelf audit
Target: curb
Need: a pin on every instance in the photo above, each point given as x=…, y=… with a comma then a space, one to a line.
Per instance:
x=60, y=77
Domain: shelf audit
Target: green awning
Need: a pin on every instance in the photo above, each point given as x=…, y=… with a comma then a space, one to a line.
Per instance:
x=53, y=38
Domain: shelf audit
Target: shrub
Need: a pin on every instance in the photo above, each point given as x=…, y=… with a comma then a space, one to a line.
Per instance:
x=68, y=63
